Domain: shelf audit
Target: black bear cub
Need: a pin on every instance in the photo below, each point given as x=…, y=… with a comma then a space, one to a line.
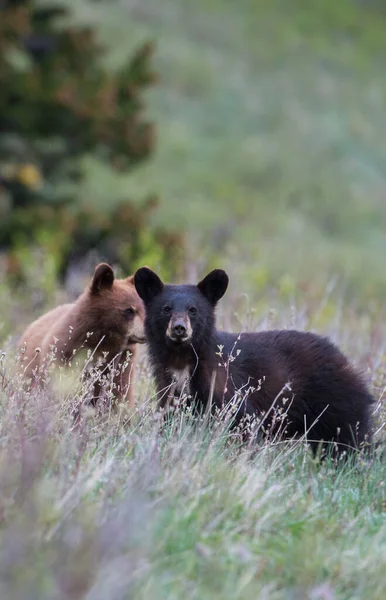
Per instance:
x=298, y=382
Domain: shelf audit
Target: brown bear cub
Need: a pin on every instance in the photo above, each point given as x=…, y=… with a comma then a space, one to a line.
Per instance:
x=290, y=383
x=106, y=320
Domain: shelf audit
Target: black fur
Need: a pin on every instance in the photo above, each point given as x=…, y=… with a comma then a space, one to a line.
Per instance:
x=324, y=391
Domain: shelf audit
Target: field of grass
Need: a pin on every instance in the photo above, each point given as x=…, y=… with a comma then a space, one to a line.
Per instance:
x=110, y=511
x=271, y=154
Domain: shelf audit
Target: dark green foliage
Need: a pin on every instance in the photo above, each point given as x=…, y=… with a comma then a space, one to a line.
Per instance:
x=68, y=234
x=58, y=103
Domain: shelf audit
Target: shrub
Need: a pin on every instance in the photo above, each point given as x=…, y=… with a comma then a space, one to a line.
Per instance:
x=59, y=103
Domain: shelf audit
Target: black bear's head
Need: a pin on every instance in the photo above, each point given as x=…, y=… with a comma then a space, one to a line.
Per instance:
x=179, y=315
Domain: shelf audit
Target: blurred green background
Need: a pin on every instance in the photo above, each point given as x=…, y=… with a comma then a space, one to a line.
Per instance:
x=269, y=153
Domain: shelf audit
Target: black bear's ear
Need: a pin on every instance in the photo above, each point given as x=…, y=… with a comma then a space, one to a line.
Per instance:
x=214, y=285
x=147, y=283
x=103, y=278
x=130, y=279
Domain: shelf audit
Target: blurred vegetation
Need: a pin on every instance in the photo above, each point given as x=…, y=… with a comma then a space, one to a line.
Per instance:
x=270, y=140
x=59, y=103
x=271, y=120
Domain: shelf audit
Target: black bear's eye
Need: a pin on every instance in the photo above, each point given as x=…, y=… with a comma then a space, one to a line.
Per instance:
x=167, y=309
x=193, y=310
x=129, y=312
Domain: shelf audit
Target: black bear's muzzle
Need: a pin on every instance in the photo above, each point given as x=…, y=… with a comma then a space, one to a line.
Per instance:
x=179, y=329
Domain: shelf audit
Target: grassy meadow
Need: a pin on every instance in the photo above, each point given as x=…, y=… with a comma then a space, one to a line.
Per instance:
x=271, y=155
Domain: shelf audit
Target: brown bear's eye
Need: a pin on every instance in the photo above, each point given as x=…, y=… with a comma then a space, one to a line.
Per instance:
x=193, y=310
x=129, y=312
x=167, y=309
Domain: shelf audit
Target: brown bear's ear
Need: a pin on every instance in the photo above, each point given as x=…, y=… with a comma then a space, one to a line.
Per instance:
x=214, y=285
x=103, y=278
x=147, y=283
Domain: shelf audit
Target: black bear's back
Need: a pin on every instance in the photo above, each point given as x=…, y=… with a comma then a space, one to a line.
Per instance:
x=324, y=391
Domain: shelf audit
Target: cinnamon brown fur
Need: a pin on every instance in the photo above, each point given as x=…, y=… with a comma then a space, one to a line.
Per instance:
x=106, y=319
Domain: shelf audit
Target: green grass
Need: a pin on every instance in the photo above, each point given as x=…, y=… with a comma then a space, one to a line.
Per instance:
x=115, y=512
x=271, y=132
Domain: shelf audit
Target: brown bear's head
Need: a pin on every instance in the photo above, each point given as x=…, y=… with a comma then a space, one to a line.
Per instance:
x=113, y=311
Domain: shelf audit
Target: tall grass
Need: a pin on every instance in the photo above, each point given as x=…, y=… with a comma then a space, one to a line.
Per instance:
x=111, y=510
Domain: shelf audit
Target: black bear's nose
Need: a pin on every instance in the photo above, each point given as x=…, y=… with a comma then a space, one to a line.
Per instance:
x=179, y=330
